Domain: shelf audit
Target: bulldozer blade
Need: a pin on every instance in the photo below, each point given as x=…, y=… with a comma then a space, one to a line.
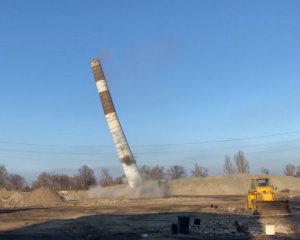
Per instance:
x=272, y=207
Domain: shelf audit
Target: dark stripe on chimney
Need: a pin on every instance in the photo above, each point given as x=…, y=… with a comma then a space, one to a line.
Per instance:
x=107, y=103
x=98, y=73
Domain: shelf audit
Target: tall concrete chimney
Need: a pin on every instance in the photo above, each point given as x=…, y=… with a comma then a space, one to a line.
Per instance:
x=126, y=158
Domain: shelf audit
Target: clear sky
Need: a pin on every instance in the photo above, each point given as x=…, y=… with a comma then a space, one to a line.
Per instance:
x=181, y=73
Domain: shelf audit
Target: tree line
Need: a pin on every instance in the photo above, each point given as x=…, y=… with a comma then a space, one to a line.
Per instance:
x=241, y=165
x=85, y=176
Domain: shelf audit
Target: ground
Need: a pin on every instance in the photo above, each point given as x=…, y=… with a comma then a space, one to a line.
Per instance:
x=221, y=217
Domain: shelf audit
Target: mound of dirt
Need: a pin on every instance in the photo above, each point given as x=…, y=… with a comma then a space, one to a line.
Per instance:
x=286, y=182
x=41, y=196
x=4, y=193
x=235, y=184
x=16, y=199
x=212, y=185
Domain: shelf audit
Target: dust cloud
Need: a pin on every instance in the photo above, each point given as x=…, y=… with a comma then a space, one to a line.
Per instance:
x=103, y=54
x=148, y=189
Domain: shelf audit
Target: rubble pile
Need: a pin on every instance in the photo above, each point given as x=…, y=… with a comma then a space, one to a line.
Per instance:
x=42, y=196
x=73, y=195
x=223, y=227
x=218, y=227
x=229, y=227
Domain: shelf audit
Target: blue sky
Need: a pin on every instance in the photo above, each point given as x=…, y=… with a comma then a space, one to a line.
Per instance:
x=179, y=72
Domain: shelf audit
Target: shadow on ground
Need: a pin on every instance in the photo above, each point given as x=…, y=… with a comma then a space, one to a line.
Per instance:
x=144, y=226
x=15, y=210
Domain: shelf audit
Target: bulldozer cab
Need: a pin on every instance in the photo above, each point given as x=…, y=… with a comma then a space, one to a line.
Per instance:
x=260, y=182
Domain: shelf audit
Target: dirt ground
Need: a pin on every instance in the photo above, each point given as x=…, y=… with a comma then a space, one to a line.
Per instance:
x=221, y=217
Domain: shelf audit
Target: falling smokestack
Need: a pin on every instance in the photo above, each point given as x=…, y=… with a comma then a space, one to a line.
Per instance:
x=126, y=158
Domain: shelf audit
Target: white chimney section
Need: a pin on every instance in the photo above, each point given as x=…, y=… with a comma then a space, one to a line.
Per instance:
x=126, y=158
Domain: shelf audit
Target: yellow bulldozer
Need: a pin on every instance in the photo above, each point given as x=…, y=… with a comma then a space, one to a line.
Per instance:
x=262, y=199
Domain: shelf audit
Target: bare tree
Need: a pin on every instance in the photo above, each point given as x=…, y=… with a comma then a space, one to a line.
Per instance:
x=228, y=166
x=43, y=180
x=15, y=182
x=176, y=171
x=55, y=182
x=3, y=177
x=145, y=171
x=157, y=173
x=66, y=182
x=289, y=170
x=119, y=180
x=242, y=165
x=265, y=171
x=105, y=178
x=77, y=182
x=61, y=182
x=199, y=171
x=86, y=177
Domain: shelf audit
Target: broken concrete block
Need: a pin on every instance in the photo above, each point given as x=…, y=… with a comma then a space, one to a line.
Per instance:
x=270, y=230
